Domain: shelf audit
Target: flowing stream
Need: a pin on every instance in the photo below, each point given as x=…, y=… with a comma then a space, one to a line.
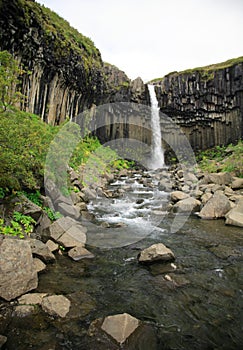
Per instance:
x=157, y=153
x=196, y=303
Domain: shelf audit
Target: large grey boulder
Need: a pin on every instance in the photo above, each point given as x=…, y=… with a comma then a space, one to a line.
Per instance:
x=176, y=196
x=156, y=252
x=187, y=205
x=56, y=305
x=217, y=178
x=120, y=326
x=235, y=215
x=216, y=207
x=18, y=274
x=237, y=183
x=73, y=237
x=41, y=250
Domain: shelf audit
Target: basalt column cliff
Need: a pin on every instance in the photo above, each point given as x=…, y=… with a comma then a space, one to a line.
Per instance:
x=64, y=72
x=207, y=103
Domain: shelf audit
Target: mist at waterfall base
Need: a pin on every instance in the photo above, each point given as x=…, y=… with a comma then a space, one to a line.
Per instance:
x=157, y=152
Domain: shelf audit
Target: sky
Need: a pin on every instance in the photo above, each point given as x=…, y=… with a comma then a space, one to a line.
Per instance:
x=151, y=38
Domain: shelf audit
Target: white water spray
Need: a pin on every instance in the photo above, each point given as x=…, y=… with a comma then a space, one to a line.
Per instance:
x=157, y=153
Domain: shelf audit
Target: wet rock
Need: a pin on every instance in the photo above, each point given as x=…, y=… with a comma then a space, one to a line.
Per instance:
x=237, y=184
x=31, y=299
x=162, y=268
x=87, y=215
x=216, y=207
x=89, y=194
x=39, y=265
x=235, y=215
x=53, y=247
x=3, y=340
x=224, y=252
x=78, y=253
x=120, y=327
x=176, y=196
x=81, y=206
x=24, y=310
x=187, y=205
x=17, y=270
x=156, y=252
x=56, y=305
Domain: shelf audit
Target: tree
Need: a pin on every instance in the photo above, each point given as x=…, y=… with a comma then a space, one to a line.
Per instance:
x=9, y=79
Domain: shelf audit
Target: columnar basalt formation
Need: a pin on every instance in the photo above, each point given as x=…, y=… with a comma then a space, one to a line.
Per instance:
x=64, y=72
x=207, y=103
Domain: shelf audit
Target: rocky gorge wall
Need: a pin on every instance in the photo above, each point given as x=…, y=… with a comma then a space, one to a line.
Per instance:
x=206, y=103
x=64, y=72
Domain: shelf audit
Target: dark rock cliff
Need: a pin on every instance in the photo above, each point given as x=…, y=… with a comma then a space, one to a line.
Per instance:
x=64, y=70
x=207, y=103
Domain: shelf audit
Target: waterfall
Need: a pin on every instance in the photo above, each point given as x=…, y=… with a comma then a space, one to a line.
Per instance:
x=157, y=153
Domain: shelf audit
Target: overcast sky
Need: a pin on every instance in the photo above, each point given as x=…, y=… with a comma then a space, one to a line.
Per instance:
x=150, y=38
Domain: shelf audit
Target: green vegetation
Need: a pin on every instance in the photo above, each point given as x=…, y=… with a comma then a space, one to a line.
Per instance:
x=24, y=141
x=207, y=72
x=9, y=73
x=19, y=226
x=60, y=34
x=223, y=158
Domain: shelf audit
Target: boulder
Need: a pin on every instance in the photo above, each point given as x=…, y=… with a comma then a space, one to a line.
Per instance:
x=56, y=305
x=73, y=237
x=3, y=340
x=217, y=178
x=216, y=207
x=60, y=226
x=187, y=205
x=176, y=196
x=31, y=299
x=24, y=310
x=39, y=265
x=53, y=247
x=237, y=184
x=235, y=215
x=41, y=250
x=68, y=210
x=78, y=253
x=120, y=326
x=205, y=197
x=156, y=252
x=17, y=270
x=29, y=208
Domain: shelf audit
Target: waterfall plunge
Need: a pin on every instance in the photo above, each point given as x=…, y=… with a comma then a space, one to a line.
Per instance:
x=157, y=153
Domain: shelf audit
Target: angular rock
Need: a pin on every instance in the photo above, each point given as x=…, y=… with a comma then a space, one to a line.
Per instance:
x=156, y=252
x=24, y=310
x=39, y=265
x=73, y=237
x=68, y=210
x=3, y=340
x=29, y=208
x=120, y=326
x=53, y=247
x=187, y=205
x=89, y=194
x=205, y=197
x=56, y=305
x=31, y=299
x=176, y=196
x=41, y=250
x=237, y=184
x=78, y=253
x=235, y=215
x=61, y=225
x=217, y=178
x=17, y=271
x=216, y=207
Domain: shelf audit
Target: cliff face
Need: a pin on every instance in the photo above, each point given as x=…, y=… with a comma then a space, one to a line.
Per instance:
x=64, y=70
x=207, y=103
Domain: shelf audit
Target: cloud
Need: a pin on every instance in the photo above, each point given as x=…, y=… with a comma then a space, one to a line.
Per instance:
x=150, y=38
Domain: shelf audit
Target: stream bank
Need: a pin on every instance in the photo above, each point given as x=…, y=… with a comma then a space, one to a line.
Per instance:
x=193, y=303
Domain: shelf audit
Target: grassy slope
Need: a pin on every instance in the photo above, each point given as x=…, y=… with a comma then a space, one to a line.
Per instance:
x=205, y=70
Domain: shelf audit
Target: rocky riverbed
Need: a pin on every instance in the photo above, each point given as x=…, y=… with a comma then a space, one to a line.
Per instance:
x=113, y=253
